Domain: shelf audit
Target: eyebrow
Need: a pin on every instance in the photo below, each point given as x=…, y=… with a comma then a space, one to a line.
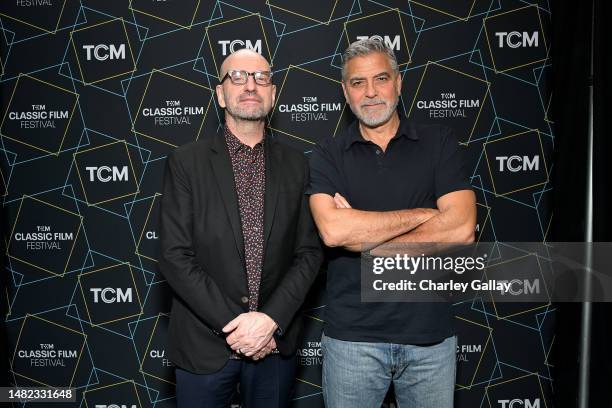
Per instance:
x=374, y=76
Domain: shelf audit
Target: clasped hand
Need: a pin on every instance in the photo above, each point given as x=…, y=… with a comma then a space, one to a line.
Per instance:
x=250, y=334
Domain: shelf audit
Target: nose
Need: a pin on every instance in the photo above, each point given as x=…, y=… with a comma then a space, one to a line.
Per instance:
x=250, y=83
x=370, y=90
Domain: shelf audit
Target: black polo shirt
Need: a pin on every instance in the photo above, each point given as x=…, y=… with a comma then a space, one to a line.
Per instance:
x=421, y=164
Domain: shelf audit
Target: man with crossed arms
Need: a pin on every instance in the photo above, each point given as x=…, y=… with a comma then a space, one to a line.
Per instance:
x=383, y=180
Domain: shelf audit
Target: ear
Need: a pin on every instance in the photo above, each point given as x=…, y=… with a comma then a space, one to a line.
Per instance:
x=398, y=83
x=220, y=95
x=273, y=94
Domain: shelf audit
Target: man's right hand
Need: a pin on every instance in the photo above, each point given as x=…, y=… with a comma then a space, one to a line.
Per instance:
x=267, y=349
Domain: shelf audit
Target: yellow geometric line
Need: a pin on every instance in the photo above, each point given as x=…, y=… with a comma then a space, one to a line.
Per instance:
x=73, y=242
x=546, y=118
x=399, y=16
x=548, y=352
x=490, y=330
x=339, y=120
x=265, y=37
x=67, y=123
x=445, y=12
x=505, y=317
x=8, y=303
x=484, y=22
x=514, y=379
x=137, y=252
x=113, y=385
x=309, y=383
x=143, y=98
x=548, y=227
x=491, y=171
x=168, y=21
x=281, y=91
x=131, y=166
x=147, y=350
x=473, y=322
x=416, y=93
x=268, y=3
x=484, y=223
x=77, y=53
x=85, y=298
x=4, y=186
x=35, y=26
x=76, y=365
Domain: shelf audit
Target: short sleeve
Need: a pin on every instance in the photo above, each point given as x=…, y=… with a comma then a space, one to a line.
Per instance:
x=324, y=174
x=451, y=170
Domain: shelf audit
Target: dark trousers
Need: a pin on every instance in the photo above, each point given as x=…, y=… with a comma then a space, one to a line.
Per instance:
x=267, y=383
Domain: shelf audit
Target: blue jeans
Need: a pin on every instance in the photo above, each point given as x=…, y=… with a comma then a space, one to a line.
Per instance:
x=358, y=374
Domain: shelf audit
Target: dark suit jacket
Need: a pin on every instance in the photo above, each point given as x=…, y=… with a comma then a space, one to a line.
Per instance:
x=202, y=250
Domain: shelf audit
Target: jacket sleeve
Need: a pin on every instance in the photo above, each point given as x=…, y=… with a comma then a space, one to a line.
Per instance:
x=177, y=262
x=307, y=258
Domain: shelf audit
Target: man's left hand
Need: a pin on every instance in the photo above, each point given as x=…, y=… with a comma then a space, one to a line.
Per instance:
x=250, y=332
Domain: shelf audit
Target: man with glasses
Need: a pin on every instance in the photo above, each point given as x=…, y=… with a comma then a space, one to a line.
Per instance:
x=238, y=248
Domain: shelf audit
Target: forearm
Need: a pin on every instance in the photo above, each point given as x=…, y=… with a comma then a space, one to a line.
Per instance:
x=449, y=226
x=359, y=230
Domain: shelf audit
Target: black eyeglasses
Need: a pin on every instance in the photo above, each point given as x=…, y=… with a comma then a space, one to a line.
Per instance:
x=239, y=77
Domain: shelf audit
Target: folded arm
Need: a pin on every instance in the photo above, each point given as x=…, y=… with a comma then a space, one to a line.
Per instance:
x=358, y=230
x=455, y=223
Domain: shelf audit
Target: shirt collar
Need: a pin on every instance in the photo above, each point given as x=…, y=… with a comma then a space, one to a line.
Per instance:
x=234, y=144
x=406, y=129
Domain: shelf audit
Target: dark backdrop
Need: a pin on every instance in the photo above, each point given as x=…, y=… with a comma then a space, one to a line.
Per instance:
x=84, y=136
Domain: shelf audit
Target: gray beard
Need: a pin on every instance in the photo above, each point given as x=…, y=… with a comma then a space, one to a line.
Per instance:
x=244, y=114
x=379, y=120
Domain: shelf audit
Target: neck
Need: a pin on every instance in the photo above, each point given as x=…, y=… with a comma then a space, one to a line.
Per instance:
x=381, y=134
x=249, y=132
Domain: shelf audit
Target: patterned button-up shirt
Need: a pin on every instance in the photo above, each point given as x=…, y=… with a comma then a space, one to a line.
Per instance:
x=250, y=180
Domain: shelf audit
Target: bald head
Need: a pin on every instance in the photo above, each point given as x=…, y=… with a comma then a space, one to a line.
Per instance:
x=245, y=101
x=242, y=57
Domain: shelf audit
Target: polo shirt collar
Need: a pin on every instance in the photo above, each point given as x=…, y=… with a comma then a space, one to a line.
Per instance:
x=406, y=129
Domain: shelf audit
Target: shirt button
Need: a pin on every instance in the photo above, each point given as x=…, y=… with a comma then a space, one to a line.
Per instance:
x=377, y=151
x=244, y=299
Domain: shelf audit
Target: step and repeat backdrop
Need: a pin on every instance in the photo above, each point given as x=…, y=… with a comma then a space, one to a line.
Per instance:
x=96, y=93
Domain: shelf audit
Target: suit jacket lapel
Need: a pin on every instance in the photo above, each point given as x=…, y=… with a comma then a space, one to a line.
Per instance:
x=273, y=169
x=224, y=175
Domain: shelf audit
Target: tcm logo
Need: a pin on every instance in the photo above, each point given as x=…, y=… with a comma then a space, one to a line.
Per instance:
x=235, y=45
x=518, y=163
x=115, y=406
x=515, y=39
x=106, y=173
x=111, y=295
x=518, y=287
x=102, y=52
x=516, y=403
x=394, y=43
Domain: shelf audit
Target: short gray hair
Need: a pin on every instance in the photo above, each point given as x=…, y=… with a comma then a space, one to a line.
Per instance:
x=366, y=47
